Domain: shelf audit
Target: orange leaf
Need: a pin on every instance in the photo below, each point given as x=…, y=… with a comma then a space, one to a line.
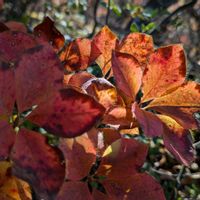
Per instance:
x=12, y=187
x=105, y=42
x=77, y=55
x=138, y=45
x=165, y=71
x=127, y=73
x=187, y=95
x=103, y=91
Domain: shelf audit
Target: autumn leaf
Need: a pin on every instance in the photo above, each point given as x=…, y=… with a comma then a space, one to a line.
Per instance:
x=37, y=163
x=105, y=41
x=127, y=72
x=80, y=154
x=12, y=188
x=78, y=55
x=68, y=114
x=165, y=71
x=48, y=32
x=138, y=45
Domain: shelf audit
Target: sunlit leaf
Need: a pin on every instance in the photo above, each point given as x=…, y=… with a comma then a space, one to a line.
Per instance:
x=103, y=91
x=138, y=45
x=77, y=55
x=12, y=188
x=165, y=71
x=187, y=95
x=105, y=42
x=127, y=73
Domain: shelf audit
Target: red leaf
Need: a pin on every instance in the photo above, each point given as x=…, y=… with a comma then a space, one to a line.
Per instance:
x=127, y=73
x=7, y=139
x=150, y=123
x=122, y=158
x=166, y=70
x=48, y=32
x=74, y=190
x=80, y=154
x=183, y=115
x=37, y=163
x=105, y=42
x=7, y=89
x=137, y=187
x=16, y=26
x=3, y=27
x=38, y=75
x=68, y=114
x=177, y=141
x=138, y=45
x=13, y=44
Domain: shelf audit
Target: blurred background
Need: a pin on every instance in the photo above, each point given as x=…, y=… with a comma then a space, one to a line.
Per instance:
x=168, y=21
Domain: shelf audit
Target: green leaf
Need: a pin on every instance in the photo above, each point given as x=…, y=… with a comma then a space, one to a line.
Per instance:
x=134, y=28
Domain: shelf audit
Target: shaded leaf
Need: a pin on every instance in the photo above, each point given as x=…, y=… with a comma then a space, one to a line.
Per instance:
x=183, y=115
x=137, y=187
x=38, y=75
x=80, y=154
x=69, y=114
x=7, y=89
x=16, y=26
x=150, y=123
x=7, y=139
x=165, y=71
x=48, y=32
x=37, y=163
x=13, y=44
x=122, y=158
x=74, y=190
x=177, y=141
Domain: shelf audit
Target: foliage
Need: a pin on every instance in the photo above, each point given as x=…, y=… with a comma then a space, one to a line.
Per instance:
x=47, y=92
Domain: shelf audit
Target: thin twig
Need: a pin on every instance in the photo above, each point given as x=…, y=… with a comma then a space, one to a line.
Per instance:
x=166, y=20
x=108, y=12
x=95, y=18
